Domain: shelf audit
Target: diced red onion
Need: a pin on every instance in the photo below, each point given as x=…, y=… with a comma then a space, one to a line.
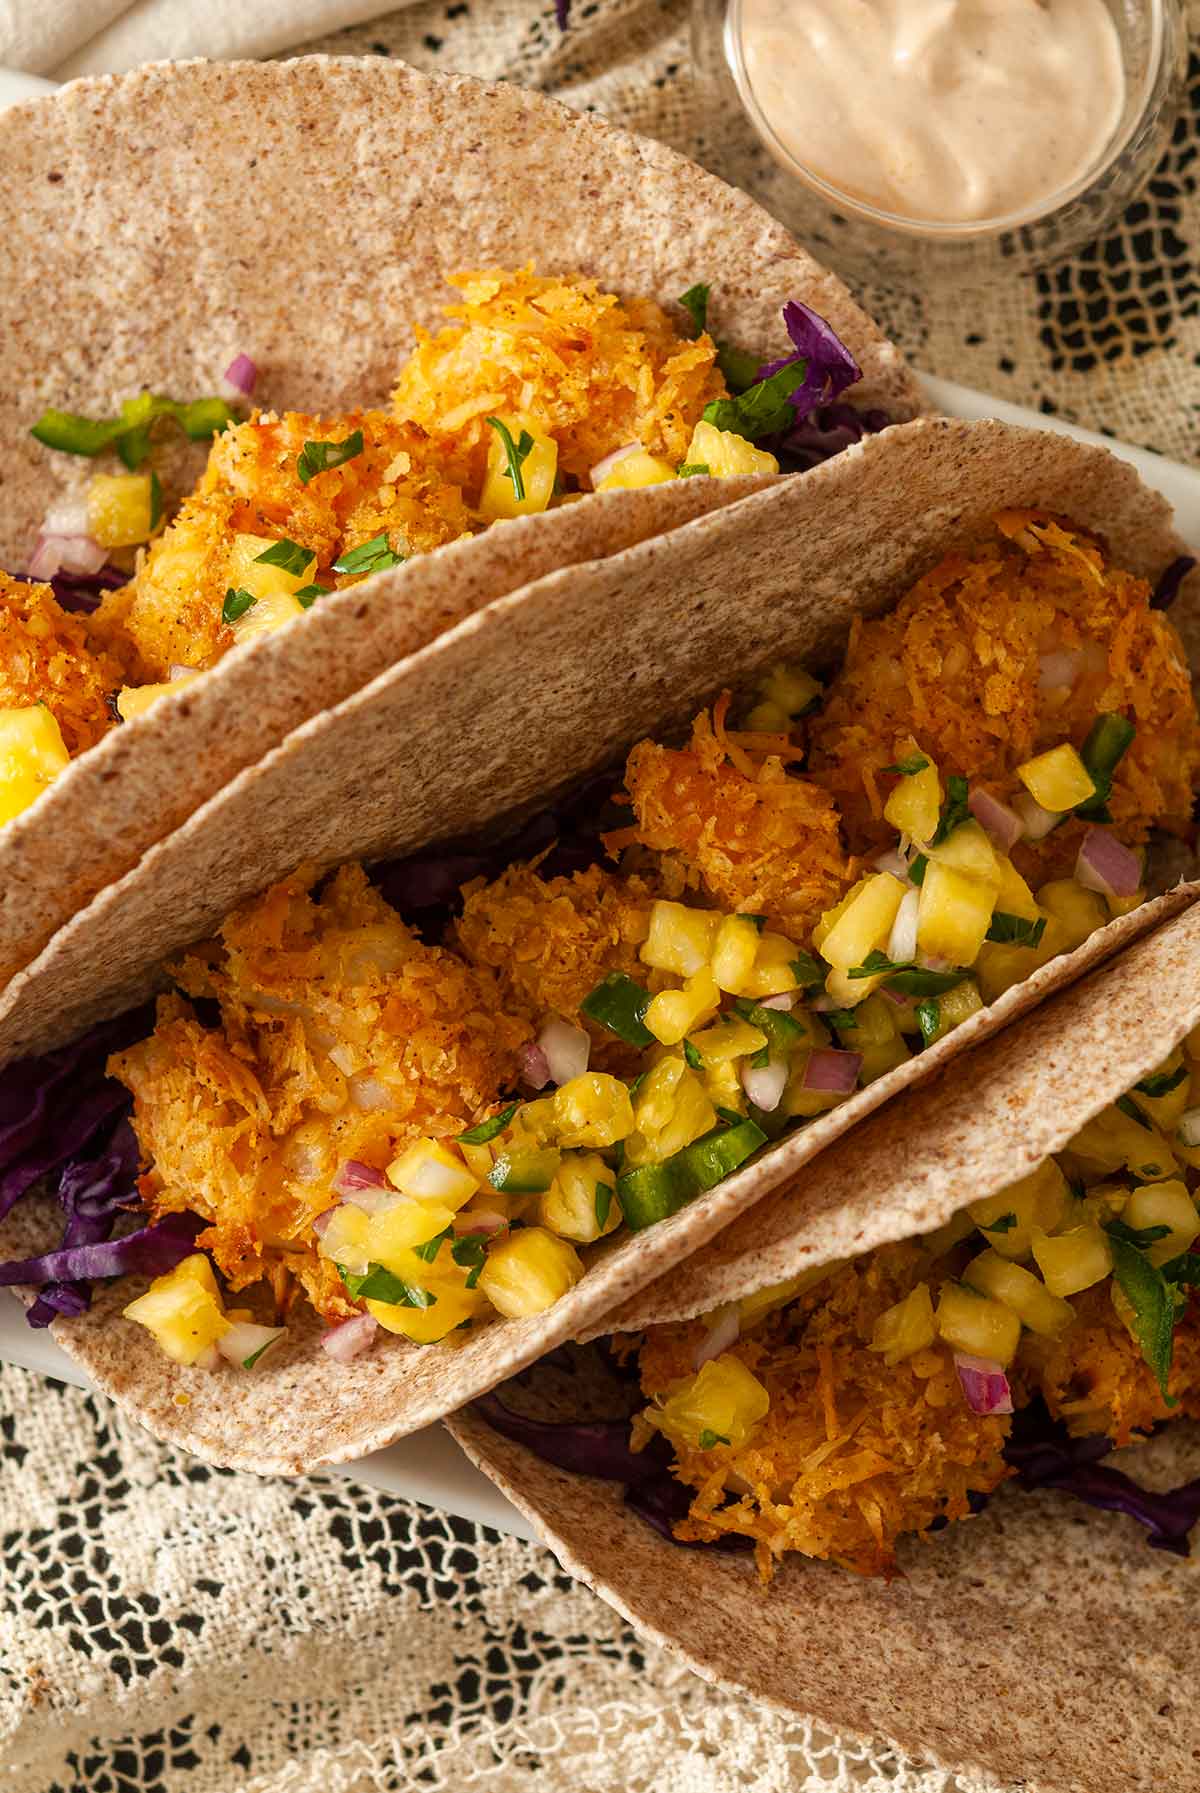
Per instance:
x=1187, y=1129
x=68, y=518
x=898, y=998
x=765, y=1085
x=983, y=1383
x=354, y=1175
x=244, y=1339
x=902, y=941
x=933, y=962
x=1105, y=864
x=892, y=861
x=824, y=1004
x=481, y=1220
x=65, y=554
x=321, y=1221
x=565, y=1048
x=831, y=1071
x=239, y=377
x=995, y=818
x=1058, y=669
x=533, y=1066
x=351, y=1338
x=720, y=1336
x=1036, y=822
x=603, y=468
x=785, y=1001
x=209, y=1359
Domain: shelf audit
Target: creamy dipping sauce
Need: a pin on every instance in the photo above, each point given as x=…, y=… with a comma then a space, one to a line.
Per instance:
x=949, y=111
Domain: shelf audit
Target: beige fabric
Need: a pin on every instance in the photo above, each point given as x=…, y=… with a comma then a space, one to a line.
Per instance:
x=330, y=1640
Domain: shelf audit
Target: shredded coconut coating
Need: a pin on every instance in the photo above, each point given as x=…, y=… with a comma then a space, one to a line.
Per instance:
x=48, y=655
x=959, y=665
x=727, y=815
x=339, y=1036
x=549, y=941
x=853, y=1455
x=171, y=610
x=593, y=371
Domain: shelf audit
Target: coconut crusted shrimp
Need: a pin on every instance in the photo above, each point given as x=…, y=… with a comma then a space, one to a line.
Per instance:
x=173, y=610
x=992, y=658
x=730, y=820
x=340, y=1037
x=48, y=656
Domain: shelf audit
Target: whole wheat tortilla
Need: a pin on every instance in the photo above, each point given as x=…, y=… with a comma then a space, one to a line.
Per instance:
x=609, y=649
x=1041, y=1645
x=307, y=213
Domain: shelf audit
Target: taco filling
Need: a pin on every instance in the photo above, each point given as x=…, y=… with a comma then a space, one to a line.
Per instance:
x=538, y=391
x=422, y=1129
x=870, y=1400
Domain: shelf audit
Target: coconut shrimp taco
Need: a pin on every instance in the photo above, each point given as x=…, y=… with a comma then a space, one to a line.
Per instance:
x=954, y=1446
x=256, y=452
x=446, y=1110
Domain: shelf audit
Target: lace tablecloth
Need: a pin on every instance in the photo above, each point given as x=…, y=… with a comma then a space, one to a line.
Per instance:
x=166, y=1628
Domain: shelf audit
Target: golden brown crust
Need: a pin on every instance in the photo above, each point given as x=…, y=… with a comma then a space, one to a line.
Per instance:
x=50, y=656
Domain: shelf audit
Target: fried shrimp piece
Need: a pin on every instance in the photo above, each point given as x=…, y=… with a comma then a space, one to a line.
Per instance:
x=549, y=941
x=852, y=1454
x=1000, y=654
x=1095, y=1378
x=48, y=655
x=730, y=818
x=593, y=371
x=340, y=1037
x=172, y=608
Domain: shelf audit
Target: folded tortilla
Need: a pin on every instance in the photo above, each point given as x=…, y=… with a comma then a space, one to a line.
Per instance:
x=434, y=748
x=309, y=212
x=1039, y=1643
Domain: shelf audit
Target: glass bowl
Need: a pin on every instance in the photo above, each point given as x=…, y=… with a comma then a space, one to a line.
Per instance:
x=860, y=238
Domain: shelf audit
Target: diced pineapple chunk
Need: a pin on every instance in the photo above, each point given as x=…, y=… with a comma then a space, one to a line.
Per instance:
x=772, y=973
x=1058, y=780
x=247, y=571
x=528, y=1271
x=343, y=1239
x=182, y=1310
x=952, y=1232
x=1013, y=895
x=593, y=1110
x=734, y=952
x=430, y=1172
x=1166, y=1110
x=123, y=508
x=721, y=1404
x=680, y=939
x=1164, y=1204
x=539, y=467
x=32, y=754
x=726, y=455
x=954, y=914
x=864, y=923
x=913, y=807
x=790, y=688
x=637, y=469
x=451, y=1304
x=976, y=1324
x=731, y=1038
x=967, y=849
x=1010, y=1217
x=1079, y=911
x=955, y=1007
x=998, y=967
x=393, y=1234
x=847, y=992
x=905, y=1328
x=581, y=1203
x=672, y=1108
x=135, y=700
x=266, y=615
x=672, y=1014
x=1113, y=1140
x=882, y=1057
x=1020, y=1290
x=755, y=1307
x=479, y=1159
x=1074, y=1260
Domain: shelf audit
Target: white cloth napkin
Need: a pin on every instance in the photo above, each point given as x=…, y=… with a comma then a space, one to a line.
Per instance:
x=64, y=38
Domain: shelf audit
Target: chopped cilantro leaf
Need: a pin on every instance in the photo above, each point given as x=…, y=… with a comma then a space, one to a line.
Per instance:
x=695, y=303
x=760, y=921
x=841, y=1020
x=320, y=457
x=378, y=1284
x=470, y=1253
x=248, y=1363
x=369, y=557
x=709, y=1439
x=916, y=871
x=1154, y=1301
x=1129, y=1107
x=760, y=1059
x=236, y=604
x=693, y=1056
x=954, y=809
x=431, y=1247
x=692, y=469
x=1016, y=930
x=515, y=454
x=738, y=367
x=307, y=596
x=1004, y=1223
x=929, y=1019
x=1141, y=1236
x=483, y=1131
x=1107, y=742
x=604, y=1199
x=1161, y=1083
x=762, y=409
x=288, y=555
x=907, y=768
x=806, y=970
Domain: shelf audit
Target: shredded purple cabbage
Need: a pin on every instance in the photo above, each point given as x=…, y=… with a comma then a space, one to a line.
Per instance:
x=80, y=591
x=824, y=433
x=1167, y=589
x=829, y=365
x=61, y=1113
x=1044, y=1455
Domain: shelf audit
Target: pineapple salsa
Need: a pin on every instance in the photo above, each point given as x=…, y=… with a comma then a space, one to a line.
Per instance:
x=421, y=1136
x=869, y=1399
x=538, y=391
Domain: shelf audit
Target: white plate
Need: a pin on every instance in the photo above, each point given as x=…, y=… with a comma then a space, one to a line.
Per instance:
x=429, y=1467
